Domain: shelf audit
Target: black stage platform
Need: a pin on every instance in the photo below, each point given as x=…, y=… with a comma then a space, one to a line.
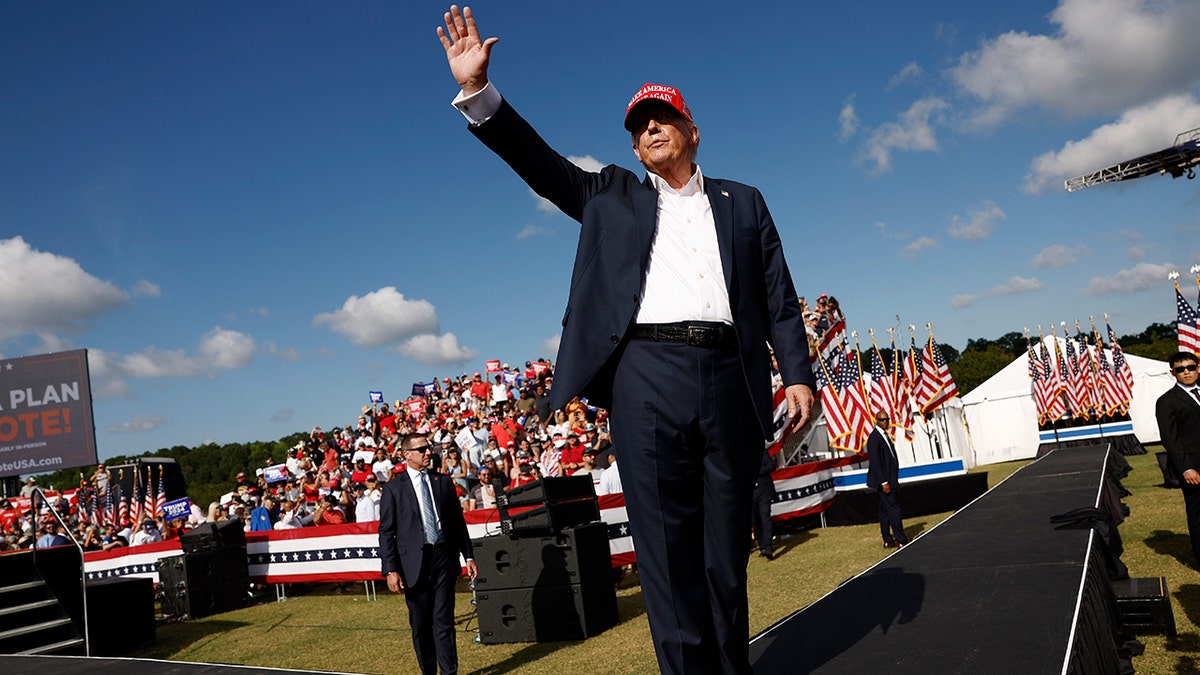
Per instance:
x=72, y=665
x=993, y=589
x=920, y=498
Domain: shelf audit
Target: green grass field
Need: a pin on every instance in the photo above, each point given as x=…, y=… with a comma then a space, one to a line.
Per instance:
x=323, y=630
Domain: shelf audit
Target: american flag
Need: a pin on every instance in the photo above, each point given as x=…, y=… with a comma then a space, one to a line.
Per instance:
x=1122, y=370
x=1189, y=332
x=148, y=495
x=1076, y=394
x=1064, y=377
x=837, y=425
x=160, y=497
x=109, y=514
x=854, y=403
x=914, y=372
x=883, y=393
x=903, y=396
x=122, y=510
x=1041, y=393
x=136, y=502
x=1054, y=384
x=944, y=388
x=1087, y=375
x=1110, y=396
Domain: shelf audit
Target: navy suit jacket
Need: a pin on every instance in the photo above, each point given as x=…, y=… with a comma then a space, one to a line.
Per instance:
x=618, y=214
x=882, y=464
x=1179, y=427
x=402, y=534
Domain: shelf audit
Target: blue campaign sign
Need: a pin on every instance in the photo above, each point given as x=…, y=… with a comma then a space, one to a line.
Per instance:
x=275, y=474
x=180, y=508
x=376, y=396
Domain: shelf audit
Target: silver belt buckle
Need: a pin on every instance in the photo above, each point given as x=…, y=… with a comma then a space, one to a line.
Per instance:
x=700, y=336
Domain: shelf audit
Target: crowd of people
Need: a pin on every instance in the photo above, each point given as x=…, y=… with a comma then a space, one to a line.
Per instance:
x=487, y=436
x=488, y=433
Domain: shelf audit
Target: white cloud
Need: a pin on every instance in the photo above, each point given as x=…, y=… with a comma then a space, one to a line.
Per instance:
x=437, y=350
x=1138, y=131
x=883, y=230
x=381, y=317
x=532, y=231
x=227, y=349
x=1059, y=255
x=1136, y=252
x=260, y=311
x=1104, y=56
x=287, y=354
x=1016, y=285
x=146, y=289
x=44, y=292
x=550, y=346
x=978, y=223
x=138, y=423
x=914, y=131
x=911, y=71
x=282, y=415
x=917, y=246
x=586, y=162
x=1137, y=278
x=848, y=122
x=963, y=301
x=219, y=349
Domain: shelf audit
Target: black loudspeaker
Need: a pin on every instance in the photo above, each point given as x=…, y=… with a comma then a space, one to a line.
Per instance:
x=576, y=555
x=214, y=537
x=1145, y=605
x=121, y=614
x=200, y=584
x=550, y=613
x=549, y=490
x=552, y=518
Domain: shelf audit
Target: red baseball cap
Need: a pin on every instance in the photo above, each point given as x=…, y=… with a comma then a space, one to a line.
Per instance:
x=657, y=92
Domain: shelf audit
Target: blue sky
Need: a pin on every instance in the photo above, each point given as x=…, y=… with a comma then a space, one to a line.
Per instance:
x=252, y=214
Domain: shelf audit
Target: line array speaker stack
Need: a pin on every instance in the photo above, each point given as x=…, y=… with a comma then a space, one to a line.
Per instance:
x=548, y=576
x=548, y=506
x=211, y=576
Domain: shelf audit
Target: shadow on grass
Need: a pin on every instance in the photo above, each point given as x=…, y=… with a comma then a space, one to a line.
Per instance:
x=1188, y=597
x=789, y=539
x=523, y=657
x=1189, y=644
x=172, y=638
x=1174, y=544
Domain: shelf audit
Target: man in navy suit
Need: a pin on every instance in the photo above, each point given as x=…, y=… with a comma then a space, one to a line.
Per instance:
x=883, y=476
x=1178, y=413
x=421, y=534
x=679, y=285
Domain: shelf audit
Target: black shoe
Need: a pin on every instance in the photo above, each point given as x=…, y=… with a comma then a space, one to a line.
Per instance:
x=890, y=544
x=767, y=554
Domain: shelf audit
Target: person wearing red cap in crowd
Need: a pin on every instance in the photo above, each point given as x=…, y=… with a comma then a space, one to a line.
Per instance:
x=679, y=285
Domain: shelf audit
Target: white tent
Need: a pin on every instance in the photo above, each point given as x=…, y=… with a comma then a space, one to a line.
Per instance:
x=1003, y=418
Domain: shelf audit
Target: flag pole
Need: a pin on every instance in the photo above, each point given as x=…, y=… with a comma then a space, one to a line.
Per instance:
x=1042, y=342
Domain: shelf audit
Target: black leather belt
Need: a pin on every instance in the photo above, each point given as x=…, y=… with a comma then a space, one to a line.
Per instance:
x=708, y=335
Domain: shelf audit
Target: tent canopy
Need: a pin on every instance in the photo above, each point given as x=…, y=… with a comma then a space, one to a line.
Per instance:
x=1003, y=418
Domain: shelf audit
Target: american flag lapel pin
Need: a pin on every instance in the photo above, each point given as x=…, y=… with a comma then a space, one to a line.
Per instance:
x=724, y=193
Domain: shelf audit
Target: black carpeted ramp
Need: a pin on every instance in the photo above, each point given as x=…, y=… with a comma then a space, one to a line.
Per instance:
x=993, y=589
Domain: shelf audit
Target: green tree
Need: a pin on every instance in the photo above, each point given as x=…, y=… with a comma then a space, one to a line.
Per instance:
x=975, y=366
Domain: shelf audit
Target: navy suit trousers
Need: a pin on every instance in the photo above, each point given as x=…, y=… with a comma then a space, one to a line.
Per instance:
x=689, y=444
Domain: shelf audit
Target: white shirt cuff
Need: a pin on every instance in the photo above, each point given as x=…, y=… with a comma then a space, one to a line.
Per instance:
x=480, y=106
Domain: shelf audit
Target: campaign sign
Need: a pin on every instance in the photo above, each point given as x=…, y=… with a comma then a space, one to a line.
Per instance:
x=275, y=474
x=416, y=407
x=418, y=389
x=493, y=365
x=46, y=419
x=539, y=367
x=180, y=508
x=376, y=396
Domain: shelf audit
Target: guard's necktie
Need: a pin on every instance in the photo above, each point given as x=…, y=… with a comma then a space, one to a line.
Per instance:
x=428, y=516
x=1196, y=393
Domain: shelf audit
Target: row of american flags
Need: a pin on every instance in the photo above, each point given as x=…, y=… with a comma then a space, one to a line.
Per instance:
x=916, y=382
x=1083, y=381
x=115, y=507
